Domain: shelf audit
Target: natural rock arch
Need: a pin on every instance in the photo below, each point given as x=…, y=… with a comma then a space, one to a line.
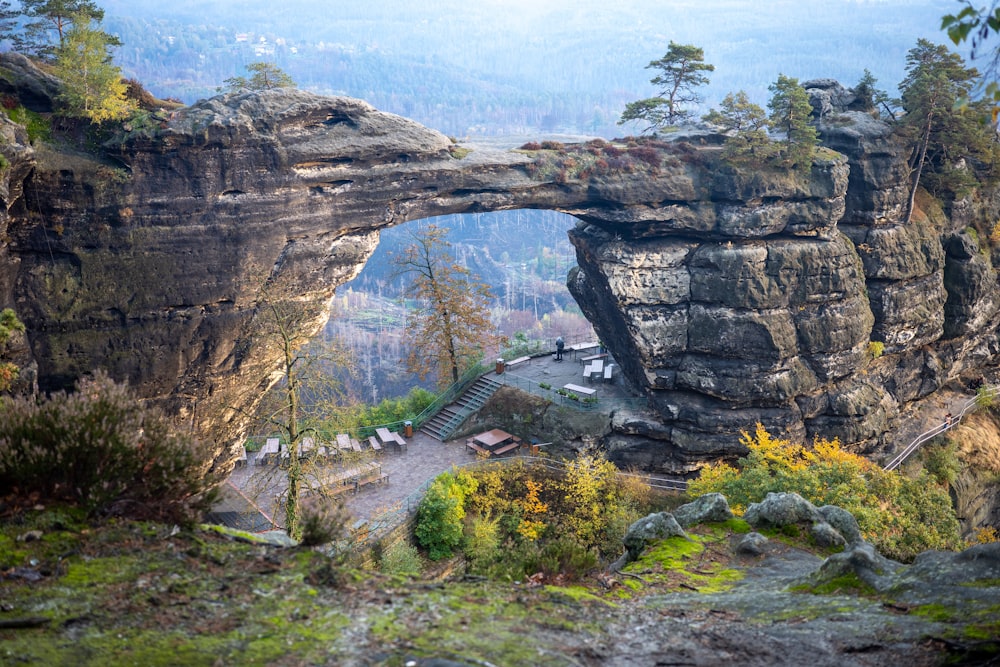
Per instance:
x=730, y=297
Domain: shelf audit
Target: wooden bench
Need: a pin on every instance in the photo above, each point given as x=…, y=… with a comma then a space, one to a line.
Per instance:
x=519, y=360
x=355, y=445
x=577, y=389
x=475, y=449
x=373, y=441
x=593, y=357
x=608, y=373
x=506, y=448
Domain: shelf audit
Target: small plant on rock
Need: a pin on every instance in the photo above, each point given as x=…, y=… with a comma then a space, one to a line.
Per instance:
x=321, y=521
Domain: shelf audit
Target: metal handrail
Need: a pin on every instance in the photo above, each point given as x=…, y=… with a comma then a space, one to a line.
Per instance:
x=967, y=407
x=443, y=399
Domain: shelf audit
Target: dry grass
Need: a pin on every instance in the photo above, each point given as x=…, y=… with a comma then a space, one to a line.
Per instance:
x=978, y=440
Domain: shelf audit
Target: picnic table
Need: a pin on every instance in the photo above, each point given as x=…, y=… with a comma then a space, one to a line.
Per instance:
x=493, y=443
x=595, y=367
x=580, y=347
x=350, y=479
x=390, y=437
x=308, y=446
x=270, y=448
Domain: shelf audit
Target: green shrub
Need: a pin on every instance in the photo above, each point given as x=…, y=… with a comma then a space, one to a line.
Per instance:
x=482, y=546
x=440, y=513
x=544, y=385
x=401, y=558
x=941, y=462
x=99, y=448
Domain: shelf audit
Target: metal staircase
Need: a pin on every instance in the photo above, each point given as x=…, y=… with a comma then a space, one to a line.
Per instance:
x=450, y=417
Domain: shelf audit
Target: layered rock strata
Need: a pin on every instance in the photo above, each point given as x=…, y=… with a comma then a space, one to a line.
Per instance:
x=727, y=296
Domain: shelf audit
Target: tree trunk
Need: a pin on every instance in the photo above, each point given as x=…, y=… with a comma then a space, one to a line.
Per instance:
x=925, y=140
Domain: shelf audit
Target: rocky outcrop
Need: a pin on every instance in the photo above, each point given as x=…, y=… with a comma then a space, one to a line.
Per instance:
x=728, y=296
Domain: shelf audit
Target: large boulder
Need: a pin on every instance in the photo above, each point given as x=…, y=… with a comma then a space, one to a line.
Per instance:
x=651, y=528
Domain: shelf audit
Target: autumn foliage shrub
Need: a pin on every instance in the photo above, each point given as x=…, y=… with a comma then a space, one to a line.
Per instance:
x=522, y=519
x=101, y=449
x=900, y=516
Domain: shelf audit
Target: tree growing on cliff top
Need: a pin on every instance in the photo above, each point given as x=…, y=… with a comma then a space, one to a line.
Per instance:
x=943, y=132
x=92, y=84
x=452, y=327
x=54, y=16
x=747, y=123
x=681, y=70
x=264, y=76
x=790, y=112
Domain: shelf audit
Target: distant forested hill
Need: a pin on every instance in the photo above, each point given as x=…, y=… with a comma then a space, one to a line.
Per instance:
x=514, y=66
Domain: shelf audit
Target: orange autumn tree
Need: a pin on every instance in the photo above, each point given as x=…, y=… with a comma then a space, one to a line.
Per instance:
x=450, y=328
x=900, y=515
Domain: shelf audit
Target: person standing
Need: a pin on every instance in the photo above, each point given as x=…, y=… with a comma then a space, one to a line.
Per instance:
x=559, y=348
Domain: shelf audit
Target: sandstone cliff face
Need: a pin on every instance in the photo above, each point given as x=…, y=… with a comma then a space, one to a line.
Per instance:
x=728, y=297
x=774, y=324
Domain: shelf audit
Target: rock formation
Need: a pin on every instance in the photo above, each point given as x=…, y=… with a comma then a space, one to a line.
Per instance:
x=728, y=297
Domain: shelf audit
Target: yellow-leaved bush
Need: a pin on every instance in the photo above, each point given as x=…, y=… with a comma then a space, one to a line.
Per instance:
x=901, y=516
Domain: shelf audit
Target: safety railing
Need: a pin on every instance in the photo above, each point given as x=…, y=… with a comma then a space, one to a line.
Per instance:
x=970, y=405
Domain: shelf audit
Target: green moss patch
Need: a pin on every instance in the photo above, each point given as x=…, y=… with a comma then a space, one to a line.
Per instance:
x=845, y=584
x=699, y=563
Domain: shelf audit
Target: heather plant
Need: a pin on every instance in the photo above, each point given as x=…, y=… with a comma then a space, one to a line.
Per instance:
x=98, y=447
x=321, y=521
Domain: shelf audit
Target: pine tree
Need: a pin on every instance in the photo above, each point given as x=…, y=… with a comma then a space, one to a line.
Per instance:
x=265, y=76
x=747, y=122
x=58, y=16
x=450, y=330
x=790, y=112
x=941, y=131
x=682, y=70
